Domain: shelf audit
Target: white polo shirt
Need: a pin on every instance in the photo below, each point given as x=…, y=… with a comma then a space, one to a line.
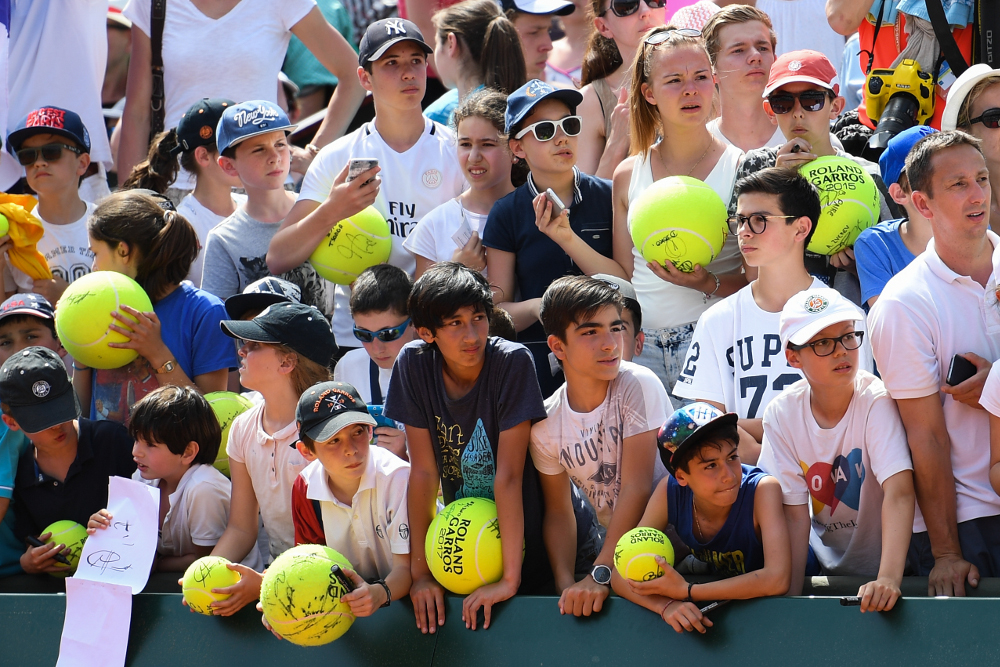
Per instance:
x=374, y=526
x=273, y=464
x=926, y=315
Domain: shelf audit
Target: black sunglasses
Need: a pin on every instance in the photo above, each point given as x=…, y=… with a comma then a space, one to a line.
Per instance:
x=824, y=347
x=386, y=335
x=49, y=153
x=990, y=118
x=623, y=8
x=811, y=100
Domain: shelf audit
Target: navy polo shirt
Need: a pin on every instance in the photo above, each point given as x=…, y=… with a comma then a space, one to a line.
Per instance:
x=103, y=450
x=538, y=259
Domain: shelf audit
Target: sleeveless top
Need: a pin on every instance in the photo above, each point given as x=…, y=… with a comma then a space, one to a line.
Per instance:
x=665, y=305
x=736, y=549
x=608, y=101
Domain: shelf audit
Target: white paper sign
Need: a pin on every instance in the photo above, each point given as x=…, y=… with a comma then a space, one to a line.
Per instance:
x=95, y=633
x=462, y=234
x=123, y=553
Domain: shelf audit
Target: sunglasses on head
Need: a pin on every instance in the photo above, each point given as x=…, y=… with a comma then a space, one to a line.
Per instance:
x=661, y=36
x=545, y=130
x=990, y=118
x=386, y=335
x=623, y=8
x=49, y=153
x=811, y=100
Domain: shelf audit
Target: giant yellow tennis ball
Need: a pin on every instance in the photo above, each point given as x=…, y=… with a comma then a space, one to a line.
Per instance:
x=4, y=225
x=73, y=535
x=680, y=219
x=351, y=246
x=201, y=577
x=301, y=597
x=849, y=198
x=463, y=545
x=83, y=315
x=227, y=406
x=635, y=552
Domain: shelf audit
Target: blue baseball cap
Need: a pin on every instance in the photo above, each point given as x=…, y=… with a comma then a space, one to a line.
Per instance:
x=687, y=427
x=523, y=100
x=50, y=120
x=30, y=303
x=893, y=158
x=198, y=125
x=248, y=119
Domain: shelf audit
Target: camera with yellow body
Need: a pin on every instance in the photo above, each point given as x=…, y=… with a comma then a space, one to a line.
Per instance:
x=898, y=99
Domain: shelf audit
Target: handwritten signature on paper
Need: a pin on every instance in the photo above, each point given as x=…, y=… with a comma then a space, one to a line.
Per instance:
x=104, y=560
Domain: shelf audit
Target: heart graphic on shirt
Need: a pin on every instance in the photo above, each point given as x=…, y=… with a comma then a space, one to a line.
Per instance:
x=837, y=483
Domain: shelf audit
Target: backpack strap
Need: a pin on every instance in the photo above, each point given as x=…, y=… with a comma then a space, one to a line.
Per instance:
x=158, y=14
x=319, y=514
x=942, y=30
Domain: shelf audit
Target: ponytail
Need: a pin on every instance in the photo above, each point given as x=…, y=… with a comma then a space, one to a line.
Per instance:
x=159, y=170
x=491, y=40
x=164, y=242
x=602, y=58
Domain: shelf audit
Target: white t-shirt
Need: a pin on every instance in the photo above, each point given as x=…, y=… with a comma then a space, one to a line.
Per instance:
x=736, y=357
x=588, y=445
x=413, y=183
x=802, y=24
x=65, y=247
x=198, y=513
x=203, y=220
x=665, y=305
x=237, y=56
x=432, y=237
x=926, y=315
x=354, y=369
x=841, y=469
x=273, y=465
x=58, y=51
x=777, y=139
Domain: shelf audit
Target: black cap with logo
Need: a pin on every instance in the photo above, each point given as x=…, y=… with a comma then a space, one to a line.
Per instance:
x=296, y=325
x=379, y=36
x=197, y=126
x=37, y=390
x=327, y=407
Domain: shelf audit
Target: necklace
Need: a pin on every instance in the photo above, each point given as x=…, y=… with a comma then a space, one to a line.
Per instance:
x=711, y=142
x=697, y=524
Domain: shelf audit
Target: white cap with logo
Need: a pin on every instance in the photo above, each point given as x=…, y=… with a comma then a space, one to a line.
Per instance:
x=812, y=310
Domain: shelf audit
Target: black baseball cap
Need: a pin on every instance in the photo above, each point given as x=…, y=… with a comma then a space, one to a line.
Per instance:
x=296, y=325
x=32, y=304
x=261, y=294
x=36, y=388
x=327, y=407
x=379, y=36
x=197, y=126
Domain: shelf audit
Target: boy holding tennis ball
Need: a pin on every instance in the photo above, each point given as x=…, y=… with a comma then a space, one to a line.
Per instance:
x=836, y=439
x=352, y=497
x=600, y=433
x=729, y=514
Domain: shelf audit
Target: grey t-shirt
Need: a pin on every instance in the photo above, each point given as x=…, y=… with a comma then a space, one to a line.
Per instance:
x=235, y=255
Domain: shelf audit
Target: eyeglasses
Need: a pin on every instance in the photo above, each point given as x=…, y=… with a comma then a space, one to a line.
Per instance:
x=623, y=8
x=990, y=118
x=824, y=347
x=49, y=153
x=386, y=335
x=757, y=222
x=545, y=130
x=811, y=100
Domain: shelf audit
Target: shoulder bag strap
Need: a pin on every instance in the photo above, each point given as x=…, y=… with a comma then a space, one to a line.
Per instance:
x=158, y=15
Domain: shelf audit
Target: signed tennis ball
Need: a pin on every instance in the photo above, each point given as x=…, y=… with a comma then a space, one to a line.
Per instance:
x=300, y=596
x=680, y=219
x=201, y=577
x=463, y=545
x=351, y=246
x=849, y=198
x=227, y=406
x=635, y=551
x=73, y=535
x=4, y=225
x=83, y=315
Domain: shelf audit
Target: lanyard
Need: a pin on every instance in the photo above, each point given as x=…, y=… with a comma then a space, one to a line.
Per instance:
x=376, y=389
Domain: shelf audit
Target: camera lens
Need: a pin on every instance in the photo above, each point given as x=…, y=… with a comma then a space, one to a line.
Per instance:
x=900, y=114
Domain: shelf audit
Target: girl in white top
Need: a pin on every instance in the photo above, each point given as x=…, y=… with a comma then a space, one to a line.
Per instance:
x=671, y=96
x=486, y=162
x=619, y=29
x=564, y=68
x=232, y=49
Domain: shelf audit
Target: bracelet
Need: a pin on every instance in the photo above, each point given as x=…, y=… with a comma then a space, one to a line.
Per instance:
x=312, y=148
x=388, y=593
x=666, y=607
x=689, y=598
x=718, y=284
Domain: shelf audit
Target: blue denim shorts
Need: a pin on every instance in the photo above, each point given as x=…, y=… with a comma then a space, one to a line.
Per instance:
x=664, y=352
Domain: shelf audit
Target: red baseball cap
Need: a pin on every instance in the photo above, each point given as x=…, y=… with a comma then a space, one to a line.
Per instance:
x=803, y=66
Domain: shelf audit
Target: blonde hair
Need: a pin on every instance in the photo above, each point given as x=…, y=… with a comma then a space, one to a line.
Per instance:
x=644, y=119
x=965, y=111
x=732, y=15
x=306, y=372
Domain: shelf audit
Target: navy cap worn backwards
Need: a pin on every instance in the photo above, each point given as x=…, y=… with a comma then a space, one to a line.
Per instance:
x=379, y=36
x=523, y=100
x=198, y=124
x=262, y=293
x=242, y=121
x=32, y=304
x=50, y=120
x=327, y=407
x=893, y=158
x=302, y=328
x=37, y=390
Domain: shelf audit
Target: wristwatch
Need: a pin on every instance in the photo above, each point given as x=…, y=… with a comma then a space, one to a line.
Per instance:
x=601, y=574
x=166, y=368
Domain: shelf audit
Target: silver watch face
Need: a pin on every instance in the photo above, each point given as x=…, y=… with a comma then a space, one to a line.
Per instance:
x=601, y=574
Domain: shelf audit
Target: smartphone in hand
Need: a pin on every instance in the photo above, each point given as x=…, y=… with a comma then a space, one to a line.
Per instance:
x=960, y=370
x=557, y=206
x=359, y=165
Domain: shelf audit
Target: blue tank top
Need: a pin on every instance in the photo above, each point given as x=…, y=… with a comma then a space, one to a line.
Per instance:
x=736, y=549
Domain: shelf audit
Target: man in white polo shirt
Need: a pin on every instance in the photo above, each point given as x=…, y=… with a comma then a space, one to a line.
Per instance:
x=940, y=306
